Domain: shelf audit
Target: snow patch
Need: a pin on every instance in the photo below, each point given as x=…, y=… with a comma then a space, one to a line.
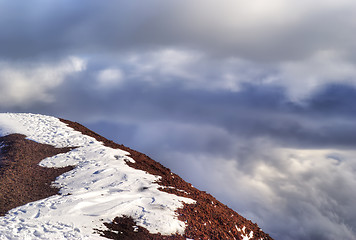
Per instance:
x=244, y=234
x=100, y=187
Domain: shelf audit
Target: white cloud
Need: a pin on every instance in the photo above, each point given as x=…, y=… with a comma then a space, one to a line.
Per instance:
x=302, y=78
x=110, y=77
x=196, y=70
x=163, y=65
x=25, y=84
x=192, y=69
x=295, y=194
x=189, y=69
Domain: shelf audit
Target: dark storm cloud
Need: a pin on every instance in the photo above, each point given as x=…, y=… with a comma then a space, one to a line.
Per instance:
x=333, y=100
x=36, y=28
x=325, y=120
x=55, y=29
x=228, y=28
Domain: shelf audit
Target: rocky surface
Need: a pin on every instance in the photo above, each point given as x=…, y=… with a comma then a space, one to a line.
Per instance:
x=22, y=180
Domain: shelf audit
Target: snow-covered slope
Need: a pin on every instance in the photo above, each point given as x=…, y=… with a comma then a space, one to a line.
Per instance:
x=100, y=187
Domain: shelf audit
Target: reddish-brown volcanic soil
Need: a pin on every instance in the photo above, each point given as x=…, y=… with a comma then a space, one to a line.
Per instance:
x=22, y=180
x=124, y=228
x=207, y=219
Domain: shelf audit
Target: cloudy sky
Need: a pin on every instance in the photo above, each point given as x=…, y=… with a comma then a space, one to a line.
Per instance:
x=253, y=101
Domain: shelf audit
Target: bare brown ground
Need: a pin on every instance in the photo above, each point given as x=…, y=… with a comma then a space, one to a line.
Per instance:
x=22, y=180
x=207, y=219
x=124, y=228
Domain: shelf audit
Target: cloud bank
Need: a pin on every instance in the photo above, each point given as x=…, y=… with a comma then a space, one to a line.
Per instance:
x=26, y=84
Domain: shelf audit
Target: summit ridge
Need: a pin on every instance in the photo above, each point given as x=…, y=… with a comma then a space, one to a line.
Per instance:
x=106, y=187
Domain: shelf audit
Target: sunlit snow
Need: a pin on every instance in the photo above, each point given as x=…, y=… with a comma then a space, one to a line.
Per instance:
x=100, y=187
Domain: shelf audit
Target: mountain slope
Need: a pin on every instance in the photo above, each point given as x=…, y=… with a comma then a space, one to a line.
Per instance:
x=105, y=190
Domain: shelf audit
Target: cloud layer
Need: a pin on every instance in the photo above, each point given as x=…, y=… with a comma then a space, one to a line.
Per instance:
x=26, y=84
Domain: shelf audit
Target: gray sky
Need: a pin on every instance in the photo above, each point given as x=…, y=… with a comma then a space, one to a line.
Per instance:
x=248, y=100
